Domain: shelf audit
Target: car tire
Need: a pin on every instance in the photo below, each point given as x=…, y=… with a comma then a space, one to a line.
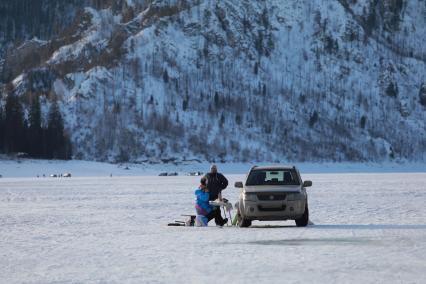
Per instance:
x=304, y=220
x=243, y=223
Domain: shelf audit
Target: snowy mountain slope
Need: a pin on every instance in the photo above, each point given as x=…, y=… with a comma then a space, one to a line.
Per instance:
x=244, y=80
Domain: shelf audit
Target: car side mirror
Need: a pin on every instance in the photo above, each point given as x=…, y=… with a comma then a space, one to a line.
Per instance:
x=307, y=183
x=238, y=184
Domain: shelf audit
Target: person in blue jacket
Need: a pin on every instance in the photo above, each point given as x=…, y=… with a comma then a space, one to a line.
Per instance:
x=205, y=212
x=202, y=206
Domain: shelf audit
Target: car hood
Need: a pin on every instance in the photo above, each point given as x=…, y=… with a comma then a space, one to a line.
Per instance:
x=273, y=188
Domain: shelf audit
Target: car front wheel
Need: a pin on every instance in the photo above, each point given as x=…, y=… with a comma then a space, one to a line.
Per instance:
x=304, y=219
x=242, y=222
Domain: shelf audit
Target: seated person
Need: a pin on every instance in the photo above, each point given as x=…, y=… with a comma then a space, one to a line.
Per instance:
x=205, y=212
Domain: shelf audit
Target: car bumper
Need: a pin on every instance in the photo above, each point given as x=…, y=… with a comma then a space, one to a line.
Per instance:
x=272, y=210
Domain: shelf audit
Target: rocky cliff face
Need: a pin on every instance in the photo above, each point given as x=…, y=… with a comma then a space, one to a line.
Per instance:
x=229, y=80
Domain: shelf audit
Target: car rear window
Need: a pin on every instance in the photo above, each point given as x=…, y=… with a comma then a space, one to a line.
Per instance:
x=273, y=177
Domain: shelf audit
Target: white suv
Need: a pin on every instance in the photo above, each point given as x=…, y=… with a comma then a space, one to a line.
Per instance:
x=273, y=193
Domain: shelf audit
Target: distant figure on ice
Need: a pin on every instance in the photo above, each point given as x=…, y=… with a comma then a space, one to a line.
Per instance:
x=205, y=212
x=216, y=182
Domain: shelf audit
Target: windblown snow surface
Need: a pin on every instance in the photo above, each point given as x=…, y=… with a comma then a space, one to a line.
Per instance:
x=368, y=228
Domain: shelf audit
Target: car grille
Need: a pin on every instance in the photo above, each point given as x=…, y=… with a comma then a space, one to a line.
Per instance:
x=270, y=209
x=271, y=196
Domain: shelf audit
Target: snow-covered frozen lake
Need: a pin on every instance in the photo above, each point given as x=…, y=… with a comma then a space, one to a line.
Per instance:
x=369, y=228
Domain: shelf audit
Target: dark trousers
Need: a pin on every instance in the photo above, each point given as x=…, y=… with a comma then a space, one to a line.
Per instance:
x=215, y=213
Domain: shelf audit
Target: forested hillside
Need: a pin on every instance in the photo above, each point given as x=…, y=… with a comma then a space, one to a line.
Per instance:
x=213, y=80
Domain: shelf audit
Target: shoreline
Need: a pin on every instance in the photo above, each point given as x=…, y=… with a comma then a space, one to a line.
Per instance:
x=80, y=168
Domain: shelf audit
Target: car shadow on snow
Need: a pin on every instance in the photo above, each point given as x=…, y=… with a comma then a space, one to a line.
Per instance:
x=272, y=226
x=349, y=226
x=330, y=241
x=317, y=241
x=370, y=226
x=269, y=226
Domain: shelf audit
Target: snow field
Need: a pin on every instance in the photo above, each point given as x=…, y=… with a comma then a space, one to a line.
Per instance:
x=369, y=228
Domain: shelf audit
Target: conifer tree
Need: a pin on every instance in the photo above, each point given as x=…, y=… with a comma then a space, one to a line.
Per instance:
x=34, y=128
x=55, y=133
x=1, y=129
x=14, y=125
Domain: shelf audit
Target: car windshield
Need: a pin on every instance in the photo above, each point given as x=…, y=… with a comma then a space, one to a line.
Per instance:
x=273, y=177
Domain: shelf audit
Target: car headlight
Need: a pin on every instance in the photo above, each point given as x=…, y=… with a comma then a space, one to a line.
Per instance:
x=295, y=196
x=249, y=196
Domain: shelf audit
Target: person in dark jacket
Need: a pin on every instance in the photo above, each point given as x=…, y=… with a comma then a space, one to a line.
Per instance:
x=216, y=182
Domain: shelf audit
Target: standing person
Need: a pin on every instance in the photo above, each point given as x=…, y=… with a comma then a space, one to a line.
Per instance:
x=216, y=182
x=206, y=212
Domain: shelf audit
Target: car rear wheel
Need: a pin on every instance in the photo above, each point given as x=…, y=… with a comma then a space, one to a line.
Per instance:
x=304, y=220
x=242, y=222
